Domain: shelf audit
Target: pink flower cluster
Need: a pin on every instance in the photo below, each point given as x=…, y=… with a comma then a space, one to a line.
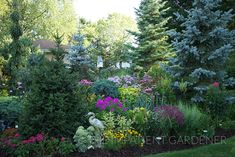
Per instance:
x=215, y=84
x=85, y=82
x=8, y=142
x=38, y=138
x=111, y=103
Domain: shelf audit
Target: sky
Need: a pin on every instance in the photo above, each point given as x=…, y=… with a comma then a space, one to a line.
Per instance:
x=96, y=9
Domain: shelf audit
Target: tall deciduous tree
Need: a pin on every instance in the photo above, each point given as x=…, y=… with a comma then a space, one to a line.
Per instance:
x=109, y=34
x=152, y=37
x=202, y=47
x=41, y=19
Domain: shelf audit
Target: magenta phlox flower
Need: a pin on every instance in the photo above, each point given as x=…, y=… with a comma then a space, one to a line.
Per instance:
x=110, y=104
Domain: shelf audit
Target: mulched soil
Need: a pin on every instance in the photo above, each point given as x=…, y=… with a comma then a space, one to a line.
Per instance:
x=153, y=148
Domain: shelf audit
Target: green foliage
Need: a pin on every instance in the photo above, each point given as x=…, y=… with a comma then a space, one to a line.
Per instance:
x=52, y=104
x=10, y=110
x=3, y=77
x=151, y=38
x=116, y=122
x=18, y=49
x=215, y=103
x=140, y=117
x=4, y=93
x=164, y=88
x=157, y=72
x=195, y=122
x=119, y=133
x=232, y=112
x=230, y=65
x=105, y=88
x=228, y=124
x=128, y=95
x=85, y=94
x=146, y=101
x=166, y=126
x=111, y=38
x=163, y=84
x=40, y=23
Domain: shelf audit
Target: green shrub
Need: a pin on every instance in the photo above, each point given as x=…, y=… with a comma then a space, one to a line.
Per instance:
x=215, y=103
x=195, y=122
x=232, y=112
x=10, y=110
x=128, y=96
x=4, y=93
x=230, y=65
x=105, y=88
x=51, y=103
x=163, y=87
x=140, y=118
x=157, y=72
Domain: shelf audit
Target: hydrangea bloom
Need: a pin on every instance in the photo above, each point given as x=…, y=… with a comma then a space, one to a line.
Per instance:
x=171, y=112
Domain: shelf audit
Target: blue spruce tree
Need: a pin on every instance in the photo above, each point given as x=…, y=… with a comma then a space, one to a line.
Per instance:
x=80, y=59
x=202, y=47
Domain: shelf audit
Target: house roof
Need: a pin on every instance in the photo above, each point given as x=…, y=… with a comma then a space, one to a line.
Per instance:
x=47, y=44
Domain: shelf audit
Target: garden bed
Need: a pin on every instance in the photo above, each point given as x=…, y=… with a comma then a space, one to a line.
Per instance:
x=148, y=149
x=151, y=149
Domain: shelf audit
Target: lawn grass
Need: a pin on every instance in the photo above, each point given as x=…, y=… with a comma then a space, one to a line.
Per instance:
x=224, y=149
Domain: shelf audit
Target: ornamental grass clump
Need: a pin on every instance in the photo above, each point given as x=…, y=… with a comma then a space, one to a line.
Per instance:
x=171, y=112
x=169, y=120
